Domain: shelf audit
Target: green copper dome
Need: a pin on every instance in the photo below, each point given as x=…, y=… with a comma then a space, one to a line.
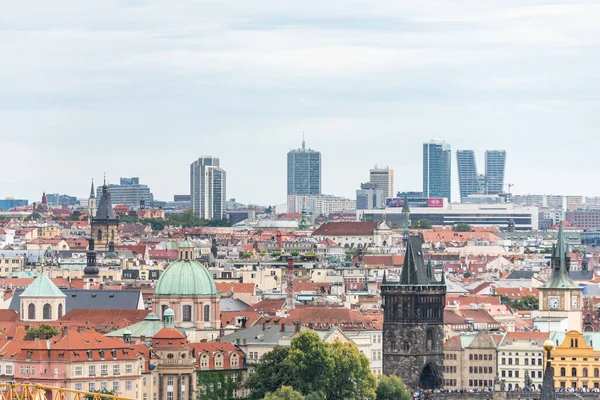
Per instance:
x=186, y=278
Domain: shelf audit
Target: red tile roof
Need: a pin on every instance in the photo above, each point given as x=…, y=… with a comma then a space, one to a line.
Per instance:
x=117, y=318
x=226, y=287
x=346, y=229
x=164, y=254
x=268, y=306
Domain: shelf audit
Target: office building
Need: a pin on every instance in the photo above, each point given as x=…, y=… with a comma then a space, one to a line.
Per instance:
x=495, y=166
x=304, y=171
x=468, y=180
x=208, y=186
x=441, y=213
x=9, y=202
x=129, y=192
x=369, y=197
x=437, y=169
x=319, y=204
x=384, y=179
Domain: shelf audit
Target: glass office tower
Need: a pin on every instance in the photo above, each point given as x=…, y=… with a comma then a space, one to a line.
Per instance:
x=468, y=180
x=495, y=165
x=303, y=171
x=437, y=173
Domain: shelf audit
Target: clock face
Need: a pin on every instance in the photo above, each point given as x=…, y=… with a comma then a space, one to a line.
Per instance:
x=574, y=303
x=553, y=303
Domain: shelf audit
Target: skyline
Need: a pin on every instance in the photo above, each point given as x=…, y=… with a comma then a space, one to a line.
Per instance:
x=144, y=89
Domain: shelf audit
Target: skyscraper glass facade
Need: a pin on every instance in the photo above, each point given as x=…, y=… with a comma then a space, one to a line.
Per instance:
x=303, y=171
x=208, y=186
x=437, y=169
x=468, y=180
x=495, y=165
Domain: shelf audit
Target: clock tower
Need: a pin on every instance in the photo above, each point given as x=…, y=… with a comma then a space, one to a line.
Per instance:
x=561, y=299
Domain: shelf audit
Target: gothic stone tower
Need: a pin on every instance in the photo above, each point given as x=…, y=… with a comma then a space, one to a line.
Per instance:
x=105, y=224
x=413, y=324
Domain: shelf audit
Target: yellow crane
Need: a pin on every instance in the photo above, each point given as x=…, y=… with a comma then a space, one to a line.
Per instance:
x=30, y=391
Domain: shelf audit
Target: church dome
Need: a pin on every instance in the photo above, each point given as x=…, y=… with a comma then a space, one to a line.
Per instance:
x=186, y=278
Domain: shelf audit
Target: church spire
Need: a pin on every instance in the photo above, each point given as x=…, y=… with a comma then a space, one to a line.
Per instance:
x=92, y=191
x=406, y=213
x=560, y=262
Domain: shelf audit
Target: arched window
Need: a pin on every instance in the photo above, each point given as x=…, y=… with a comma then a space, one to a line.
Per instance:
x=204, y=361
x=170, y=356
x=207, y=313
x=572, y=342
x=187, y=313
x=163, y=308
x=47, y=311
x=588, y=318
x=585, y=372
x=596, y=373
x=60, y=310
x=234, y=361
x=563, y=372
x=219, y=361
x=99, y=234
x=186, y=255
x=31, y=311
x=573, y=371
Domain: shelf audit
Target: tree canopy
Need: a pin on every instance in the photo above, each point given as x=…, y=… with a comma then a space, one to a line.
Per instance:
x=461, y=228
x=424, y=224
x=284, y=393
x=318, y=370
x=47, y=330
x=392, y=388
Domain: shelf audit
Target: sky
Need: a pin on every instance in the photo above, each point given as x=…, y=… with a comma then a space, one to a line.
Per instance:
x=143, y=88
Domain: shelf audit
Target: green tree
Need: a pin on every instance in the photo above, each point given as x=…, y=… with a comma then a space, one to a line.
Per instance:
x=352, y=378
x=246, y=254
x=284, y=393
x=273, y=371
x=392, y=388
x=47, y=330
x=467, y=275
x=128, y=219
x=294, y=253
x=314, y=396
x=525, y=303
x=528, y=381
x=461, y=228
x=103, y=391
x=424, y=224
x=313, y=360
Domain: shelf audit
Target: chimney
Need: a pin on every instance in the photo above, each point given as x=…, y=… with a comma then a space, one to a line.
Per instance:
x=244, y=341
x=264, y=326
x=282, y=328
x=297, y=327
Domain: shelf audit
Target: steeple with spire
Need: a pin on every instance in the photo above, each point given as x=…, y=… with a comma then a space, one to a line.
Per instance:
x=561, y=265
x=406, y=213
x=104, y=223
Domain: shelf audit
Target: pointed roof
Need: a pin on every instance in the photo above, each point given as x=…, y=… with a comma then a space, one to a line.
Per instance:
x=561, y=259
x=92, y=191
x=42, y=286
x=413, y=269
x=405, y=208
x=105, y=209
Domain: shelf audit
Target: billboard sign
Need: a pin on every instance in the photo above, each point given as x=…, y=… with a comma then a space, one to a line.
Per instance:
x=435, y=203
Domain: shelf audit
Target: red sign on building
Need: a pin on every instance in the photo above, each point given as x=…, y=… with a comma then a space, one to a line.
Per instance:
x=435, y=203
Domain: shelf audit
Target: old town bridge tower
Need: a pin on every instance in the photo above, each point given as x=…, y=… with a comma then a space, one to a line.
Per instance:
x=413, y=324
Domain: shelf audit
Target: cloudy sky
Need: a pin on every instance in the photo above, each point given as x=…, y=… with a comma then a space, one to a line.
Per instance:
x=142, y=88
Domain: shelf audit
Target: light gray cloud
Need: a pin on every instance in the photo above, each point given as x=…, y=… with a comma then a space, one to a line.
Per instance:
x=145, y=87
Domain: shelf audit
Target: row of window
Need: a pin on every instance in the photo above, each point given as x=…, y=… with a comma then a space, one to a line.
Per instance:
x=481, y=357
x=450, y=369
x=449, y=382
x=116, y=370
x=517, y=361
x=450, y=356
x=46, y=311
x=481, y=383
x=509, y=374
x=375, y=355
x=116, y=386
x=516, y=354
x=8, y=370
x=186, y=313
x=234, y=361
x=481, y=370
x=584, y=372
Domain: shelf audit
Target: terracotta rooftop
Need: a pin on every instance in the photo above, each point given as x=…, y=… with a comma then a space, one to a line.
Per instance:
x=346, y=229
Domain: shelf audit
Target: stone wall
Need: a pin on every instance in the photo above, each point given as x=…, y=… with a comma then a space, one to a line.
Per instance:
x=509, y=396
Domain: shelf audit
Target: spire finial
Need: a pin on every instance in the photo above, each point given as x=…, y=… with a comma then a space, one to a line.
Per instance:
x=303, y=142
x=105, y=179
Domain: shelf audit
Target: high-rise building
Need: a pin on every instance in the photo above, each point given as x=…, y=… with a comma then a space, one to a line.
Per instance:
x=495, y=165
x=128, y=192
x=436, y=169
x=304, y=171
x=384, y=179
x=369, y=197
x=208, y=185
x=468, y=180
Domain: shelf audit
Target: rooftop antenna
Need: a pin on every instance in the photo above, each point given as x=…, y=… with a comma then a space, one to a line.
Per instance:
x=303, y=143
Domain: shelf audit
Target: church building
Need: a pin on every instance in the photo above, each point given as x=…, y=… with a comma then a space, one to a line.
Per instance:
x=413, y=323
x=560, y=300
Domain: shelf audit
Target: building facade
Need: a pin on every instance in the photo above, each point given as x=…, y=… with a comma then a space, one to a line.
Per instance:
x=383, y=178
x=413, y=322
x=303, y=171
x=104, y=225
x=319, y=204
x=208, y=184
x=495, y=167
x=129, y=192
x=369, y=197
x=437, y=172
x=575, y=359
x=468, y=181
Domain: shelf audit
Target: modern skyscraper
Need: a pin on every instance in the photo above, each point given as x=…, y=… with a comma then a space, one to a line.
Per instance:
x=208, y=188
x=468, y=180
x=384, y=179
x=436, y=169
x=495, y=165
x=304, y=171
x=129, y=192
